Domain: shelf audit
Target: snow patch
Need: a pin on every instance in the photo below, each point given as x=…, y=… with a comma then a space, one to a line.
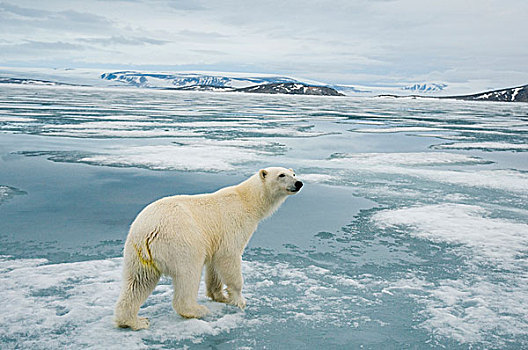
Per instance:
x=13, y=119
x=186, y=154
x=396, y=129
x=7, y=192
x=497, y=146
x=316, y=178
x=404, y=159
x=71, y=304
x=476, y=304
x=496, y=240
x=173, y=157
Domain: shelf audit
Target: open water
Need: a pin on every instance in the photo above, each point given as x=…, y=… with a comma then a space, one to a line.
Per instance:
x=411, y=231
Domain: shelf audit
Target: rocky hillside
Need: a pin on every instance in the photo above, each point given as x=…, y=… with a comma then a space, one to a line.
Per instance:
x=291, y=89
x=516, y=94
x=184, y=80
x=267, y=84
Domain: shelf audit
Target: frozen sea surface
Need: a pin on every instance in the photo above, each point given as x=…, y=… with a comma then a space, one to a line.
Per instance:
x=411, y=231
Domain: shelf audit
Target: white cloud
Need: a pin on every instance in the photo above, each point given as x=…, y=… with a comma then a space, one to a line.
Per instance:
x=336, y=41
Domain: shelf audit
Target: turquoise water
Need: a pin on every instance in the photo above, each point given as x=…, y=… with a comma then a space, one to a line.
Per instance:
x=411, y=231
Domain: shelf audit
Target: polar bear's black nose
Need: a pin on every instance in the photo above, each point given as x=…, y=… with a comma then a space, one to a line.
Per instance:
x=298, y=185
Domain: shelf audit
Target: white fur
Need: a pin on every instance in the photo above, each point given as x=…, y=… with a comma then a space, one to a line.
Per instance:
x=178, y=235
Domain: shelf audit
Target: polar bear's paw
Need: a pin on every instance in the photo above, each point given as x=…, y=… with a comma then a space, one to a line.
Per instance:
x=237, y=300
x=142, y=323
x=219, y=297
x=195, y=311
x=136, y=325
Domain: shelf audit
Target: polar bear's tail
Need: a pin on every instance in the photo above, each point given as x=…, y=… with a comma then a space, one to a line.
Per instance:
x=145, y=256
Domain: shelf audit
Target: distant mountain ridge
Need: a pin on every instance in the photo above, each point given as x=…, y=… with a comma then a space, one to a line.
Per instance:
x=4, y=80
x=162, y=80
x=209, y=82
x=515, y=94
x=425, y=87
x=291, y=89
x=243, y=82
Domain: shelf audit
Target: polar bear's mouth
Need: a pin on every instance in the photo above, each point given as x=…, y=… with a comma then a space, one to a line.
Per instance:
x=297, y=186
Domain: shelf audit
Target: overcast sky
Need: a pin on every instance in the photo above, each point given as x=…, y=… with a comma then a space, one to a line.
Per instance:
x=350, y=41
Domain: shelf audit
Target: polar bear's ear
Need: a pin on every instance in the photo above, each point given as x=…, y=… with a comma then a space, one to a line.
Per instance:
x=263, y=173
x=291, y=170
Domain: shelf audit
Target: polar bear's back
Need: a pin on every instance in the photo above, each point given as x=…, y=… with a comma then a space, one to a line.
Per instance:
x=162, y=228
x=168, y=214
x=185, y=219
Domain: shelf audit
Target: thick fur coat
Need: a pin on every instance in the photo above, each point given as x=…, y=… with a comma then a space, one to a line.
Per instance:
x=176, y=236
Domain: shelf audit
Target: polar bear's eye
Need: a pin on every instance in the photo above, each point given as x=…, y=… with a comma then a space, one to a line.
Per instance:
x=282, y=175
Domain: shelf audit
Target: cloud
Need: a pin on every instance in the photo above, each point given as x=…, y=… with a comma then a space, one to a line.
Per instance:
x=8, y=9
x=23, y=22
x=39, y=49
x=122, y=40
x=342, y=41
x=186, y=5
x=34, y=46
x=193, y=35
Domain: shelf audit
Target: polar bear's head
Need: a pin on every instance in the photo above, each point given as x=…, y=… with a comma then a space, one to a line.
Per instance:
x=280, y=180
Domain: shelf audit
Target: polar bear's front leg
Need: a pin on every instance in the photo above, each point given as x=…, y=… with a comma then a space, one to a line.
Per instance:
x=229, y=268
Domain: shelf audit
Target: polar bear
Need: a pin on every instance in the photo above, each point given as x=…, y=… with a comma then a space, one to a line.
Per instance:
x=178, y=235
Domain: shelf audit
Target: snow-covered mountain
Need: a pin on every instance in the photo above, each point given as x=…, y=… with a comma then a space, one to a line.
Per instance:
x=516, y=94
x=425, y=87
x=291, y=89
x=58, y=76
x=269, y=84
x=183, y=80
x=351, y=90
x=30, y=82
x=229, y=81
x=392, y=89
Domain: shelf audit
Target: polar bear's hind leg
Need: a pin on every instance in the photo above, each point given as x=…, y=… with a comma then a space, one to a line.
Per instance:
x=214, y=284
x=138, y=283
x=186, y=281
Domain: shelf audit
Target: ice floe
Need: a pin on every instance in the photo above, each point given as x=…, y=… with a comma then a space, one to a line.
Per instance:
x=186, y=154
x=486, y=302
x=404, y=159
x=422, y=165
x=396, y=129
x=496, y=146
x=497, y=241
x=173, y=157
x=7, y=192
x=71, y=304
